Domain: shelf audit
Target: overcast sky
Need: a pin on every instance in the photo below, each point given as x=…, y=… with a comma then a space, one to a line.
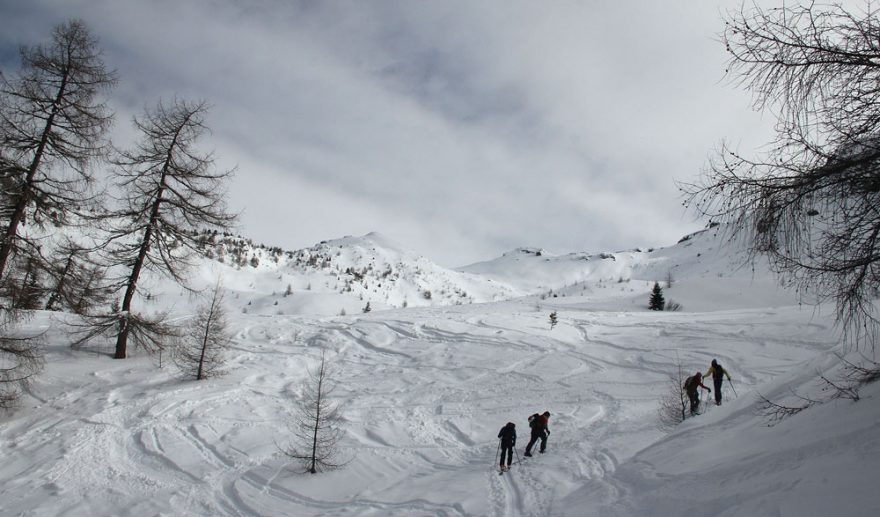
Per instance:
x=461, y=130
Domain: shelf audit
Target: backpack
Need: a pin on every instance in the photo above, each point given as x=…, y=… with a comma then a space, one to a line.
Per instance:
x=507, y=434
x=533, y=420
x=689, y=383
x=717, y=372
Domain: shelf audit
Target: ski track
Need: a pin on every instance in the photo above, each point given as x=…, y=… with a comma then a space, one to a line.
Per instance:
x=424, y=399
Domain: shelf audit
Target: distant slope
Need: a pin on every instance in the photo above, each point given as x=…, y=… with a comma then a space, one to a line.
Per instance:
x=341, y=274
x=703, y=261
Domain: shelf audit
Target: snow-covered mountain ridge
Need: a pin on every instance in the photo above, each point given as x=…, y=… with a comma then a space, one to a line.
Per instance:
x=352, y=270
x=343, y=275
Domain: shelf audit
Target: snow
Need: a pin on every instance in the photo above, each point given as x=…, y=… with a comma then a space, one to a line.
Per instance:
x=425, y=389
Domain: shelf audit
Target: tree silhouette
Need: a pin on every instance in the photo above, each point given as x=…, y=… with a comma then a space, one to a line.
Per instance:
x=316, y=426
x=52, y=126
x=201, y=354
x=657, y=303
x=810, y=203
x=169, y=191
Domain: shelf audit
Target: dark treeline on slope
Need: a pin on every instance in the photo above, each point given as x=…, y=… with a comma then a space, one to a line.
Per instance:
x=54, y=133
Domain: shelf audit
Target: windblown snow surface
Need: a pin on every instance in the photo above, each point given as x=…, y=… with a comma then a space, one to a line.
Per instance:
x=425, y=390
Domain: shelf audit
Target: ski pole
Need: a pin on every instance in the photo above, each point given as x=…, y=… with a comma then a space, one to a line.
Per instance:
x=497, y=451
x=731, y=387
x=517, y=455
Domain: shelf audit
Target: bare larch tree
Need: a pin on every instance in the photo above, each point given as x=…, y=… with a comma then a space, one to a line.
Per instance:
x=76, y=283
x=20, y=360
x=168, y=191
x=811, y=201
x=53, y=120
x=201, y=354
x=316, y=426
x=674, y=404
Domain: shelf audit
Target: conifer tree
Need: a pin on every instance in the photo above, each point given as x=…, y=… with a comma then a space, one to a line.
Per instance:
x=657, y=303
x=553, y=320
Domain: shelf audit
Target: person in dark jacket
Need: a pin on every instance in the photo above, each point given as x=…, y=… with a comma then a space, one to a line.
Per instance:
x=717, y=373
x=539, y=430
x=691, y=384
x=507, y=434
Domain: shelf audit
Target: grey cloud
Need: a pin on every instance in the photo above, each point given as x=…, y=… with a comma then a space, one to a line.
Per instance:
x=460, y=129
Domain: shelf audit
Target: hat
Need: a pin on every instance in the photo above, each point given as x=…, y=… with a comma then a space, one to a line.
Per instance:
x=546, y=413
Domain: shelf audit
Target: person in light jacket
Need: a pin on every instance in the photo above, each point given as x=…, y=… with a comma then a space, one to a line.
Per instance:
x=717, y=373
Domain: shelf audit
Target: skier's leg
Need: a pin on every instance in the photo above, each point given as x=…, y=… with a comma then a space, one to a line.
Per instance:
x=532, y=441
x=718, y=391
x=543, y=441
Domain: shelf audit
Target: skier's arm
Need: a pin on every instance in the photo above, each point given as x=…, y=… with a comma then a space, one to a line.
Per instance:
x=728, y=375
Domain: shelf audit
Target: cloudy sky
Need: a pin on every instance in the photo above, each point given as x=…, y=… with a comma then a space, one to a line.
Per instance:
x=459, y=129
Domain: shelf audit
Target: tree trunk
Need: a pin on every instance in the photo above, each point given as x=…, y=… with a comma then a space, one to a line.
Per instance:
x=122, y=338
x=204, y=347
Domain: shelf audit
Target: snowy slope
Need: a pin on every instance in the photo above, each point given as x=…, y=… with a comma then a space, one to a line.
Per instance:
x=339, y=274
x=706, y=272
x=426, y=389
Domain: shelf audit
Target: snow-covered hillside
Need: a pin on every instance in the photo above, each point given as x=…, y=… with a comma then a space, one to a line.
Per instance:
x=425, y=390
x=340, y=275
x=705, y=273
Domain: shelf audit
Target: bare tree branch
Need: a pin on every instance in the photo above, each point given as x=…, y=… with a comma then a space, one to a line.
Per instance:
x=811, y=202
x=775, y=412
x=20, y=359
x=52, y=127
